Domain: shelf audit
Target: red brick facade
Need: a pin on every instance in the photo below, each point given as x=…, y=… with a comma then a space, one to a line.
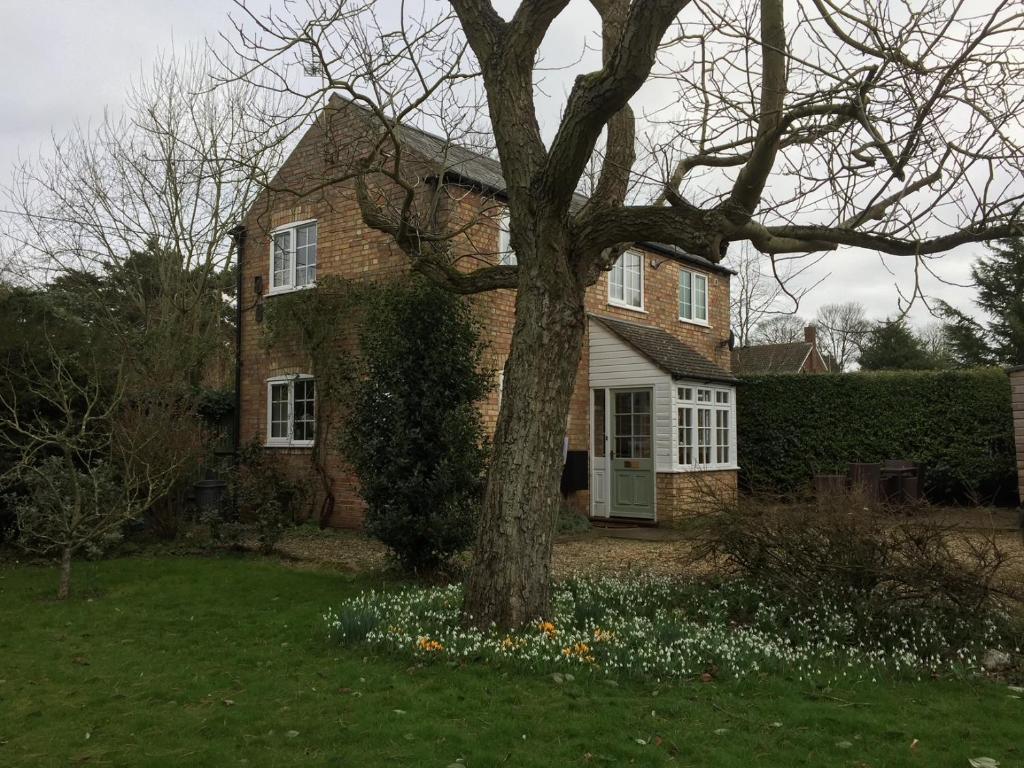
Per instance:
x=348, y=248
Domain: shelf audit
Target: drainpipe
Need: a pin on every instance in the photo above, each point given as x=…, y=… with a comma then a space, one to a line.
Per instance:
x=238, y=239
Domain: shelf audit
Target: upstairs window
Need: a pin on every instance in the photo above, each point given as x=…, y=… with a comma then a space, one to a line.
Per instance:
x=293, y=257
x=693, y=297
x=626, y=281
x=291, y=411
x=506, y=256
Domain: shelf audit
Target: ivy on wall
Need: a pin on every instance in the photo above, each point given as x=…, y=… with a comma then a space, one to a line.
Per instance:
x=957, y=424
x=320, y=326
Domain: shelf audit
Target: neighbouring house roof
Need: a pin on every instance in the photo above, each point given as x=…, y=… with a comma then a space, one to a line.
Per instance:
x=468, y=165
x=667, y=352
x=771, y=358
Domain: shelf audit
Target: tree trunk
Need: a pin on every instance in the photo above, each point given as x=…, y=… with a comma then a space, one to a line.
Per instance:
x=510, y=579
x=64, y=589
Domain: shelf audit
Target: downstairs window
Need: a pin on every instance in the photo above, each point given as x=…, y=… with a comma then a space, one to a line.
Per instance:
x=705, y=426
x=291, y=411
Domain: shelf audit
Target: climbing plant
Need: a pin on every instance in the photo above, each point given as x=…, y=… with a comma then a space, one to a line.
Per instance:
x=320, y=325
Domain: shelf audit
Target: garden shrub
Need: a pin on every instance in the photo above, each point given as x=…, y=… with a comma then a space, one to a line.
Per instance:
x=414, y=434
x=879, y=566
x=266, y=496
x=956, y=424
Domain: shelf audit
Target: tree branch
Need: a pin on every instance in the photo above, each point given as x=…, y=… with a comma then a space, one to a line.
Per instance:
x=482, y=24
x=750, y=182
x=620, y=151
x=596, y=96
x=531, y=22
x=804, y=239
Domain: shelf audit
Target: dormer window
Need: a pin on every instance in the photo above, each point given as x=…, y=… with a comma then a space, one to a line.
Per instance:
x=293, y=257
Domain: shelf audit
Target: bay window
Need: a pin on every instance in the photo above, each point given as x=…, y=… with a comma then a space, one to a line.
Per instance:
x=705, y=426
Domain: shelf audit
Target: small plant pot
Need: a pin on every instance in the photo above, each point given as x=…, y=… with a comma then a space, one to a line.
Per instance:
x=209, y=494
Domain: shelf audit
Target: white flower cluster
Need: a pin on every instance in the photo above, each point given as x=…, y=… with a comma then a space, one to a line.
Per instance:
x=659, y=628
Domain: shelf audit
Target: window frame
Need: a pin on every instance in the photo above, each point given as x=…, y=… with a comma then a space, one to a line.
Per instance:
x=289, y=441
x=693, y=276
x=703, y=401
x=622, y=303
x=292, y=229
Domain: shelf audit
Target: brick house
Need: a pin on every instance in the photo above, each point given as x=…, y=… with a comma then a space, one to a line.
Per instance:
x=651, y=430
x=788, y=357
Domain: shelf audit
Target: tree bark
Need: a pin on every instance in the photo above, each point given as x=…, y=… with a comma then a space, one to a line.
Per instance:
x=509, y=582
x=64, y=588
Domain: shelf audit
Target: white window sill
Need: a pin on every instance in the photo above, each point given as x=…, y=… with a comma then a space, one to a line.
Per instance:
x=623, y=305
x=288, y=444
x=680, y=469
x=290, y=289
x=701, y=323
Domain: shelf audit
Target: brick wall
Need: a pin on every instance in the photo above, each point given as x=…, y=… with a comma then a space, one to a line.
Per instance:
x=685, y=493
x=1017, y=400
x=346, y=247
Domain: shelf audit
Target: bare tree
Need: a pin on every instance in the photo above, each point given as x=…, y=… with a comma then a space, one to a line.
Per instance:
x=841, y=328
x=90, y=459
x=758, y=291
x=934, y=338
x=170, y=176
x=800, y=127
x=781, y=329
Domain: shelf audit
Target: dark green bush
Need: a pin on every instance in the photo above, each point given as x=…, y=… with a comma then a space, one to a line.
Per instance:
x=957, y=424
x=414, y=435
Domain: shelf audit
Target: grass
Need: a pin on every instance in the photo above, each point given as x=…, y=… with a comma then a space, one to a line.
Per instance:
x=219, y=661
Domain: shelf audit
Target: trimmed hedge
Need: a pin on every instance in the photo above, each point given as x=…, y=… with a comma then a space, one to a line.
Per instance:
x=957, y=424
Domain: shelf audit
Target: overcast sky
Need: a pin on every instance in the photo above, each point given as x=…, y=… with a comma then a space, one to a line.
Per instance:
x=67, y=60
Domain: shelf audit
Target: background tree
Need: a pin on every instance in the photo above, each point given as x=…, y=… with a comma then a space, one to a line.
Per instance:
x=781, y=329
x=936, y=343
x=1000, y=282
x=122, y=231
x=887, y=130
x=757, y=292
x=88, y=459
x=892, y=345
x=841, y=330
x=414, y=434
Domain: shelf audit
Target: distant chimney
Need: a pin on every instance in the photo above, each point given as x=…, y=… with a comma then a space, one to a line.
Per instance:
x=811, y=335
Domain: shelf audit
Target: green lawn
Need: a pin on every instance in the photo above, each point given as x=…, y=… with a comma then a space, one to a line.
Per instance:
x=172, y=662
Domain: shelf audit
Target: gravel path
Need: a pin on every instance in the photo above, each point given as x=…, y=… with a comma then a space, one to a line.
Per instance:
x=594, y=552
x=657, y=551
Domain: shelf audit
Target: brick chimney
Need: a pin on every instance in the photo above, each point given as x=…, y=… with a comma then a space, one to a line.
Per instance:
x=811, y=335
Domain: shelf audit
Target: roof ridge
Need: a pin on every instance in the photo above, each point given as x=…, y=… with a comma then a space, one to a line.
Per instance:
x=421, y=131
x=489, y=175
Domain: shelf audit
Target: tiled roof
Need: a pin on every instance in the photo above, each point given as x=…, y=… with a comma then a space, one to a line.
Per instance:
x=770, y=358
x=472, y=166
x=667, y=352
